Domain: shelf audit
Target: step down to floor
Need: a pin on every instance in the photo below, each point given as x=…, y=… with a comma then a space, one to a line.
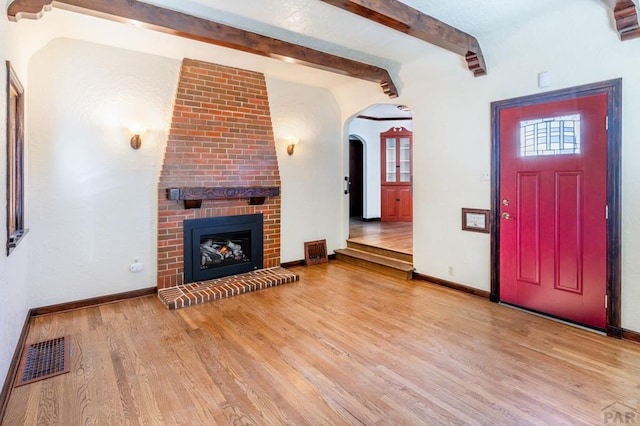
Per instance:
x=383, y=264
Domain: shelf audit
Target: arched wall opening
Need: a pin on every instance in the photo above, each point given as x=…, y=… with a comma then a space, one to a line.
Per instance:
x=366, y=127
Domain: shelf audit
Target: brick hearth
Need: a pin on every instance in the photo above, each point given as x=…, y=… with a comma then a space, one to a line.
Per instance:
x=220, y=136
x=206, y=291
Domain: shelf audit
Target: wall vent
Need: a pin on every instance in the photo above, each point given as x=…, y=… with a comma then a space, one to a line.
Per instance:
x=315, y=252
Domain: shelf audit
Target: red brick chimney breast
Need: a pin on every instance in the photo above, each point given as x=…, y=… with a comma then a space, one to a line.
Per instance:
x=220, y=136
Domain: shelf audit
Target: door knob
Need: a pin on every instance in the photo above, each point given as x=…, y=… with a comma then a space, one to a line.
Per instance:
x=505, y=202
x=506, y=216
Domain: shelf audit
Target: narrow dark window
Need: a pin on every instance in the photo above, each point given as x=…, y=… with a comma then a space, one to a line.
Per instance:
x=15, y=160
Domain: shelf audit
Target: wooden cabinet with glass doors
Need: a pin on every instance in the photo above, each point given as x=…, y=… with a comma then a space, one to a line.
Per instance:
x=396, y=175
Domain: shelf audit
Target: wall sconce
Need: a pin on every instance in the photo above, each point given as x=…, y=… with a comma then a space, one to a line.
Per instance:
x=292, y=142
x=136, y=140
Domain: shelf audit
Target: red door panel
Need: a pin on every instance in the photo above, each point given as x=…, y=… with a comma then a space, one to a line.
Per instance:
x=568, y=231
x=390, y=207
x=528, y=237
x=553, y=198
x=405, y=205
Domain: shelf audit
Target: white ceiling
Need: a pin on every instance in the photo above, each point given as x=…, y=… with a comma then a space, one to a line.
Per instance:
x=318, y=25
x=386, y=111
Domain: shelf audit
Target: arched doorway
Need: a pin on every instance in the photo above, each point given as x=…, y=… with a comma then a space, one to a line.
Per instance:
x=365, y=173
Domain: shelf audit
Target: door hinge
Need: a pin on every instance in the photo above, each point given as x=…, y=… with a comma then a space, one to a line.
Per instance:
x=606, y=122
x=606, y=301
x=606, y=212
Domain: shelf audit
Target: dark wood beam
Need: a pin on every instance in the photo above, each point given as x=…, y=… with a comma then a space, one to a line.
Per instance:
x=191, y=27
x=408, y=20
x=625, y=14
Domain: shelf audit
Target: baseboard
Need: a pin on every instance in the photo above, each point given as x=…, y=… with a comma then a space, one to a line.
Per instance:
x=13, y=367
x=460, y=287
x=94, y=301
x=619, y=333
x=371, y=219
x=615, y=332
x=302, y=262
x=634, y=336
x=293, y=263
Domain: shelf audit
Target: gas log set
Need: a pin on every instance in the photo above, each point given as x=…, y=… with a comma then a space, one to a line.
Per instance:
x=214, y=253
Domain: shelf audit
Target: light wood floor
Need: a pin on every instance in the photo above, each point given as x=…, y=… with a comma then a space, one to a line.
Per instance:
x=397, y=236
x=341, y=346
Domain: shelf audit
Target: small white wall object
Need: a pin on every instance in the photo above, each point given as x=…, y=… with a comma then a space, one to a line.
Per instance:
x=544, y=79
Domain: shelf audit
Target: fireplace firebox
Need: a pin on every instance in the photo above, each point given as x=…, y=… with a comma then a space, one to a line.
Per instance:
x=217, y=247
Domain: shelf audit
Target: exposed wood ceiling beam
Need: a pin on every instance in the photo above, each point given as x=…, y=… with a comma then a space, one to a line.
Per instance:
x=191, y=27
x=625, y=14
x=408, y=20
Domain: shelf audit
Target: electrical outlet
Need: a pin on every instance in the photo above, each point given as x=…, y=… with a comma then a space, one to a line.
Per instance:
x=485, y=175
x=450, y=271
x=136, y=266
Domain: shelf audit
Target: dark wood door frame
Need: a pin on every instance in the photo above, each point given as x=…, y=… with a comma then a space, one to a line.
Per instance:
x=613, y=89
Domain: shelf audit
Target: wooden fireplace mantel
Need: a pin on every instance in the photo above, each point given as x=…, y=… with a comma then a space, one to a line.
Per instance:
x=193, y=196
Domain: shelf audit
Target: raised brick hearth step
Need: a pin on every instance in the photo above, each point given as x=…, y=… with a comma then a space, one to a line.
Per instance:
x=381, y=263
x=220, y=288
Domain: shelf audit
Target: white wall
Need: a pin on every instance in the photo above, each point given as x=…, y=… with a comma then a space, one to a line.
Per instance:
x=13, y=268
x=368, y=131
x=311, y=177
x=92, y=198
x=451, y=111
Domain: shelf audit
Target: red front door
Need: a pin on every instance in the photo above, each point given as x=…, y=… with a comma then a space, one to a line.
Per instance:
x=553, y=186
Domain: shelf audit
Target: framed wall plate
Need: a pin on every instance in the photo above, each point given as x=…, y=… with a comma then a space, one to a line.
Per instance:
x=476, y=220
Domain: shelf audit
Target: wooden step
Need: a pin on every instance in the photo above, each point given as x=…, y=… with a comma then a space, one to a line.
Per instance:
x=403, y=256
x=375, y=262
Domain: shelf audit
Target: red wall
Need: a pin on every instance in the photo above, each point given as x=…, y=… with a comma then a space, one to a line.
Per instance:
x=220, y=136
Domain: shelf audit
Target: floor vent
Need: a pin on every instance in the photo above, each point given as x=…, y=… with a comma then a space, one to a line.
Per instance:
x=44, y=359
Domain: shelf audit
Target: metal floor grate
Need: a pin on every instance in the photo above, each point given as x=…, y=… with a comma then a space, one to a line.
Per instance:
x=43, y=360
x=315, y=252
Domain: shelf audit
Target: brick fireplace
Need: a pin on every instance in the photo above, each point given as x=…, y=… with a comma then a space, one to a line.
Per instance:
x=220, y=142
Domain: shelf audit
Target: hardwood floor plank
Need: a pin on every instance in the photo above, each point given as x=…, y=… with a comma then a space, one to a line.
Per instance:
x=341, y=346
x=263, y=344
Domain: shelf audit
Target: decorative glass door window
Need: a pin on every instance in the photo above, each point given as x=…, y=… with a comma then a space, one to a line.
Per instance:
x=391, y=160
x=396, y=156
x=405, y=159
x=550, y=136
